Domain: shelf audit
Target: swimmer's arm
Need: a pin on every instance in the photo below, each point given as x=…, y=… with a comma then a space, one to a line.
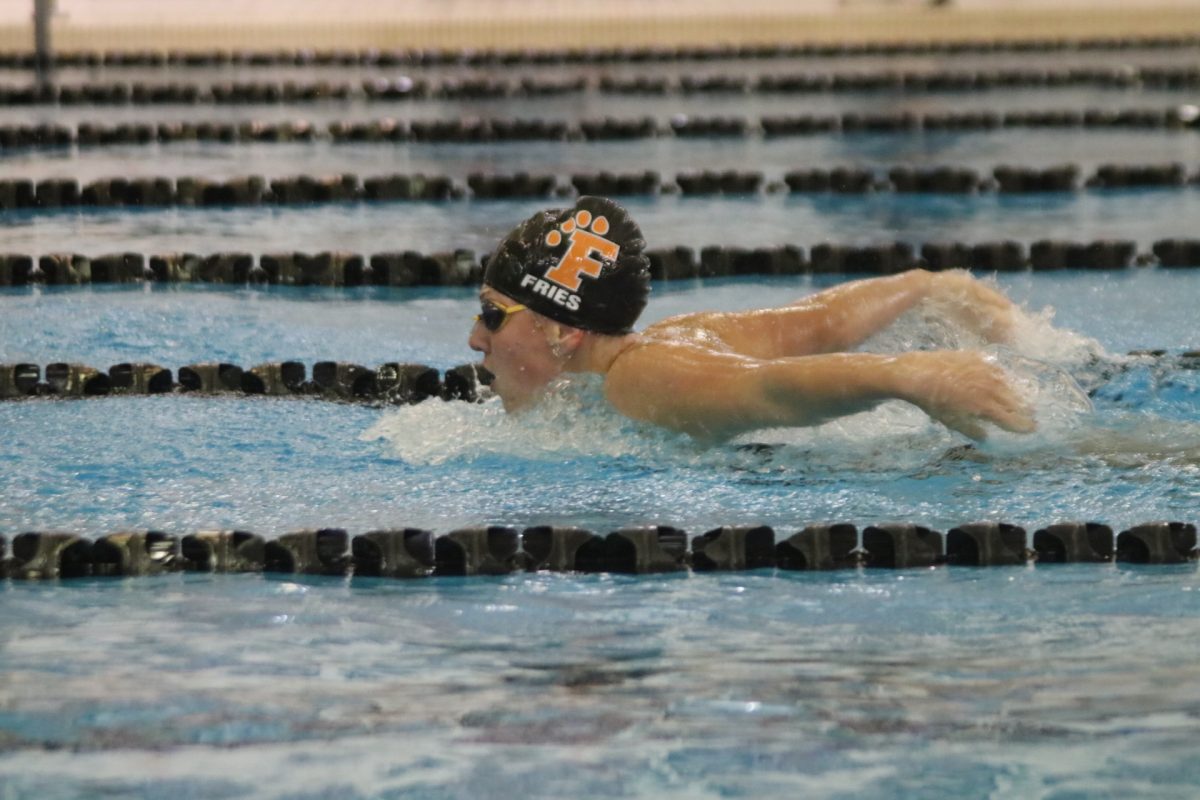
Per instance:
x=713, y=395
x=843, y=317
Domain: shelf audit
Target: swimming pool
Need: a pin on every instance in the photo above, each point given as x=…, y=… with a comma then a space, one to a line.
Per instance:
x=1057, y=681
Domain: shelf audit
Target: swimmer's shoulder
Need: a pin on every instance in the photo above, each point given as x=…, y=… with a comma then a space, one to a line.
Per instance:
x=637, y=366
x=663, y=345
x=681, y=385
x=658, y=379
x=696, y=330
x=634, y=380
x=680, y=325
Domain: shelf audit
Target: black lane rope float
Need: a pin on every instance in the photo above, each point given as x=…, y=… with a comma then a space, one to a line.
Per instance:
x=157, y=191
x=499, y=130
x=489, y=57
x=502, y=550
x=463, y=268
x=392, y=383
x=406, y=88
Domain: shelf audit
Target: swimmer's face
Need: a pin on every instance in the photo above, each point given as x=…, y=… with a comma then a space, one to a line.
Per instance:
x=518, y=354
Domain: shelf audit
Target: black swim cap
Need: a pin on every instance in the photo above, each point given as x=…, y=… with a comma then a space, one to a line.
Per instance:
x=581, y=266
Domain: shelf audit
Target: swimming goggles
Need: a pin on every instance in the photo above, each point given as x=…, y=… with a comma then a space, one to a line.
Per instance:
x=493, y=315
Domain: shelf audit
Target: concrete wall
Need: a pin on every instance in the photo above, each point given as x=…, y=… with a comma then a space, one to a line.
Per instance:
x=131, y=24
x=99, y=13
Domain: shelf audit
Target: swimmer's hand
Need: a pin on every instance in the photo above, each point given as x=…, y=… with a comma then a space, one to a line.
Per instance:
x=973, y=304
x=962, y=389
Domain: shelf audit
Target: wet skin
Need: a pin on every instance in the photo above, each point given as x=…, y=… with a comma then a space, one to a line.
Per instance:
x=715, y=375
x=518, y=355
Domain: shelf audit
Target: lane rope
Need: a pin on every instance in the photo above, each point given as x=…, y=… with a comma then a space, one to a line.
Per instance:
x=51, y=194
x=19, y=138
x=463, y=267
x=392, y=383
x=490, y=57
x=487, y=87
x=502, y=550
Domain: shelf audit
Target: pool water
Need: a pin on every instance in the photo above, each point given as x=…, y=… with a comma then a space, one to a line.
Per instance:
x=1073, y=681
x=1043, y=681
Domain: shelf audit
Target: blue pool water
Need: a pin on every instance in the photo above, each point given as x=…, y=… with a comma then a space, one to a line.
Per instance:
x=1075, y=681
x=1043, y=681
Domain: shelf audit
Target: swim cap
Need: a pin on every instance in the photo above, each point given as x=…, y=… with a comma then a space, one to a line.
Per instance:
x=581, y=266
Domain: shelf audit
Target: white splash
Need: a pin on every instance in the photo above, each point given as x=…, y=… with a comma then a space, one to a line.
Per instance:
x=1032, y=334
x=1038, y=358
x=572, y=420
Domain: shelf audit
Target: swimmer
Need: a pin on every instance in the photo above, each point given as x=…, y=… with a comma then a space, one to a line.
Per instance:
x=562, y=292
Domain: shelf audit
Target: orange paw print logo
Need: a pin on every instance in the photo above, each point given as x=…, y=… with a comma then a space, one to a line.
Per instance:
x=585, y=234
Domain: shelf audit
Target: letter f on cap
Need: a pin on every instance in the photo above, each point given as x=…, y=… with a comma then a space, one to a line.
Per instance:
x=578, y=259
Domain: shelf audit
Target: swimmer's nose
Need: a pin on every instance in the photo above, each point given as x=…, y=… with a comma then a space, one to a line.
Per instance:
x=478, y=338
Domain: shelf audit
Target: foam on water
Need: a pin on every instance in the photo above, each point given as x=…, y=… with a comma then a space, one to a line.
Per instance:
x=573, y=419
